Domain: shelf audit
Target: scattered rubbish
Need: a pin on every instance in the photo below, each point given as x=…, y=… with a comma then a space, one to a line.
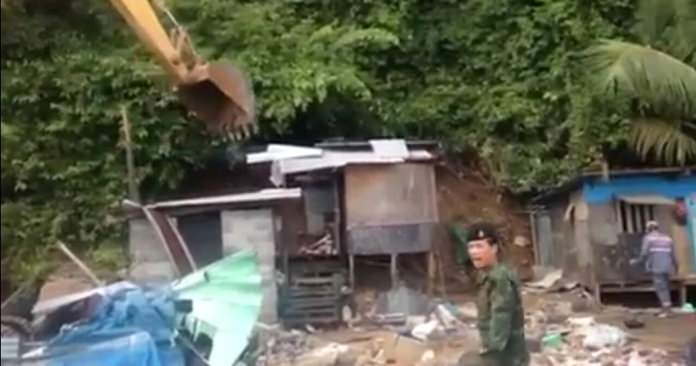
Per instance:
x=690, y=352
x=324, y=356
x=688, y=308
x=281, y=347
x=424, y=331
x=546, y=282
x=553, y=340
x=634, y=323
x=428, y=356
x=522, y=241
x=323, y=246
x=533, y=343
x=46, y=306
x=558, y=312
x=603, y=335
x=132, y=326
x=468, y=311
x=402, y=300
x=415, y=320
x=444, y=315
x=584, y=321
x=400, y=350
x=389, y=319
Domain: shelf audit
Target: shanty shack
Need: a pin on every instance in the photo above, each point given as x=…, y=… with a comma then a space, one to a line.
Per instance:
x=166, y=236
x=593, y=225
x=317, y=209
x=374, y=198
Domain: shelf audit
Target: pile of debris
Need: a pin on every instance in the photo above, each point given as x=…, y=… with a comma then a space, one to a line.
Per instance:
x=278, y=347
x=191, y=321
x=582, y=341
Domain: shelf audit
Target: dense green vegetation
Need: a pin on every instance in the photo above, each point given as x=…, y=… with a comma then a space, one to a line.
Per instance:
x=503, y=81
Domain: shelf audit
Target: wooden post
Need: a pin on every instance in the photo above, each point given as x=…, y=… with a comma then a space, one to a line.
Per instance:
x=431, y=273
x=88, y=272
x=394, y=270
x=351, y=270
x=133, y=192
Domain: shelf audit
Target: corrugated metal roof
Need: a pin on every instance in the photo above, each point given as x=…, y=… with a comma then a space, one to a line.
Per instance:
x=365, y=145
x=278, y=152
x=334, y=159
x=270, y=194
x=577, y=181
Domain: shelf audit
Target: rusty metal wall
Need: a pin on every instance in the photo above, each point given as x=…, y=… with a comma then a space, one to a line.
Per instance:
x=393, y=194
x=390, y=208
x=609, y=254
x=392, y=239
x=559, y=234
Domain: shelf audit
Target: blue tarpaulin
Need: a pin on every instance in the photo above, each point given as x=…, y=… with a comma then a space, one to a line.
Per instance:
x=132, y=327
x=597, y=191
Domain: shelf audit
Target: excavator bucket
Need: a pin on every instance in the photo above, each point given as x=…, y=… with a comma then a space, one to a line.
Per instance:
x=217, y=93
x=223, y=98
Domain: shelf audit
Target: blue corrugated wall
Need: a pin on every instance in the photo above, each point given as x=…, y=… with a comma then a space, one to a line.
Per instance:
x=597, y=191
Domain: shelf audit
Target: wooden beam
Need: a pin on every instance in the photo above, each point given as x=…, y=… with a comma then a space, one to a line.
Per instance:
x=431, y=273
x=394, y=270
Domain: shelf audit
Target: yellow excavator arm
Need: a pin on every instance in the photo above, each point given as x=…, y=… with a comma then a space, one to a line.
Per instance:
x=217, y=93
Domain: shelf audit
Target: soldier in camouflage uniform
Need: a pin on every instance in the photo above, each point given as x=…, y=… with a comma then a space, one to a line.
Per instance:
x=500, y=314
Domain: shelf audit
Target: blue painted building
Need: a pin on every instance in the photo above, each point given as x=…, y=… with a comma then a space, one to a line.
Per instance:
x=593, y=225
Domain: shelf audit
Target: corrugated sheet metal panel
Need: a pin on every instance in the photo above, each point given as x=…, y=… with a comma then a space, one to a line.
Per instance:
x=544, y=238
x=393, y=239
x=390, y=195
x=258, y=196
x=9, y=349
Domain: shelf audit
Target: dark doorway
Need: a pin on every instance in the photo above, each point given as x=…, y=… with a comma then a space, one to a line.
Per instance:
x=203, y=235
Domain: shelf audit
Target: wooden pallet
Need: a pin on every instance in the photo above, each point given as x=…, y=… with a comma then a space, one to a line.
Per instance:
x=313, y=298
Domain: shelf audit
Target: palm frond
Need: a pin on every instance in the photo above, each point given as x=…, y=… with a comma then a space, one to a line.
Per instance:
x=667, y=141
x=668, y=24
x=666, y=85
x=654, y=16
x=684, y=39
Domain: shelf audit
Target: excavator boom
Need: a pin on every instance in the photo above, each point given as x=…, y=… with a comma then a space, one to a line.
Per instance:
x=217, y=93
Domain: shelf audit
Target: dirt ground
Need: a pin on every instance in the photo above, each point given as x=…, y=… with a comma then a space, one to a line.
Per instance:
x=670, y=334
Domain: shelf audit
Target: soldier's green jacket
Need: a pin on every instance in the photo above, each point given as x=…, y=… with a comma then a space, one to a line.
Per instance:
x=501, y=317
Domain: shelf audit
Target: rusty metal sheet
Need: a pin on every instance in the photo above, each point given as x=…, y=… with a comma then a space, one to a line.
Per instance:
x=392, y=239
x=392, y=194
